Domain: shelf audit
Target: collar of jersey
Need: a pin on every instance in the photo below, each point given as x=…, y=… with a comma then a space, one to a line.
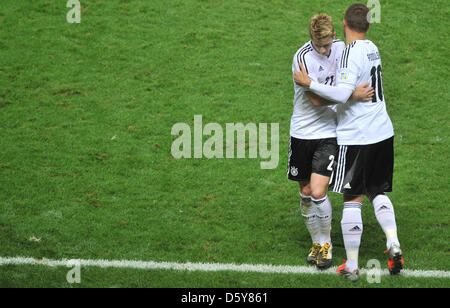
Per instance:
x=317, y=53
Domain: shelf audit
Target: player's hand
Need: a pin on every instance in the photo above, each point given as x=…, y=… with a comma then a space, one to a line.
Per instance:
x=363, y=93
x=301, y=78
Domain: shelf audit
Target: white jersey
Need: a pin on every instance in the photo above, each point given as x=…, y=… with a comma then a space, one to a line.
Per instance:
x=308, y=121
x=362, y=123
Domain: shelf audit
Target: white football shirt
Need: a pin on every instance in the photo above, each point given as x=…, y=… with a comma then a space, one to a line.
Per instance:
x=308, y=121
x=361, y=123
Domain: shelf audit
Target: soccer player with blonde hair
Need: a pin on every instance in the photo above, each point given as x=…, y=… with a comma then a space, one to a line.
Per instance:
x=313, y=144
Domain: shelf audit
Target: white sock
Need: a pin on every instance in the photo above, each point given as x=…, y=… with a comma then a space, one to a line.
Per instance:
x=308, y=210
x=352, y=228
x=324, y=215
x=384, y=211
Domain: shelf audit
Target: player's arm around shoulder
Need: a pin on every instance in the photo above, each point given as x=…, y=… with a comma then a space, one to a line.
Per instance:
x=313, y=98
x=317, y=101
x=351, y=68
x=305, y=58
x=329, y=95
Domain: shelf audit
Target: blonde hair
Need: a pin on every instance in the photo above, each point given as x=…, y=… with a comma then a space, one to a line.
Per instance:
x=321, y=27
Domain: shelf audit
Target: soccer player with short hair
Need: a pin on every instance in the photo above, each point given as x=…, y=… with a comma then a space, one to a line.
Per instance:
x=313, y=144
x=365, y=138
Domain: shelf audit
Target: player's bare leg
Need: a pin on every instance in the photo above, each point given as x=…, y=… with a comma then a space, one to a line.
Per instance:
x=319, y=185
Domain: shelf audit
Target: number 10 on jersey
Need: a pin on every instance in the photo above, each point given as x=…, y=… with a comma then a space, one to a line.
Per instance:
x=377, y=83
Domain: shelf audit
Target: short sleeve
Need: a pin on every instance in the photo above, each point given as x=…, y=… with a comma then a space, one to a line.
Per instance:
x=349, y=70
x=307, y=62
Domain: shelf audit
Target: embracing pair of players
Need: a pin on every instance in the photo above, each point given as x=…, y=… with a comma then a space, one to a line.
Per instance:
x=342, y=138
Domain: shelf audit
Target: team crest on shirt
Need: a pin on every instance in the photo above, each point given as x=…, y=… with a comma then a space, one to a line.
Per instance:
x=344, y=76
x=294, y=171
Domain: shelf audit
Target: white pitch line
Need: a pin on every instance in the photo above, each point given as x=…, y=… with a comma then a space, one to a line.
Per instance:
x=204, y=267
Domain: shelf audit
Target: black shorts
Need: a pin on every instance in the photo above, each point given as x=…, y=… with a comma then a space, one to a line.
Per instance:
x=311, y=156
x=364, y=169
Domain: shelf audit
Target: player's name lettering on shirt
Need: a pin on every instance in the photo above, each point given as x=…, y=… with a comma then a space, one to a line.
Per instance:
x=373, y=56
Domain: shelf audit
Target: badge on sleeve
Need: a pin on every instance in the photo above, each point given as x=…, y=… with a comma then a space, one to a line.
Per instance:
x=344, y=76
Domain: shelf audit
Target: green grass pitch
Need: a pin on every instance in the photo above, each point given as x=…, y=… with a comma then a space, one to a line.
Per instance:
x=86, y=111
